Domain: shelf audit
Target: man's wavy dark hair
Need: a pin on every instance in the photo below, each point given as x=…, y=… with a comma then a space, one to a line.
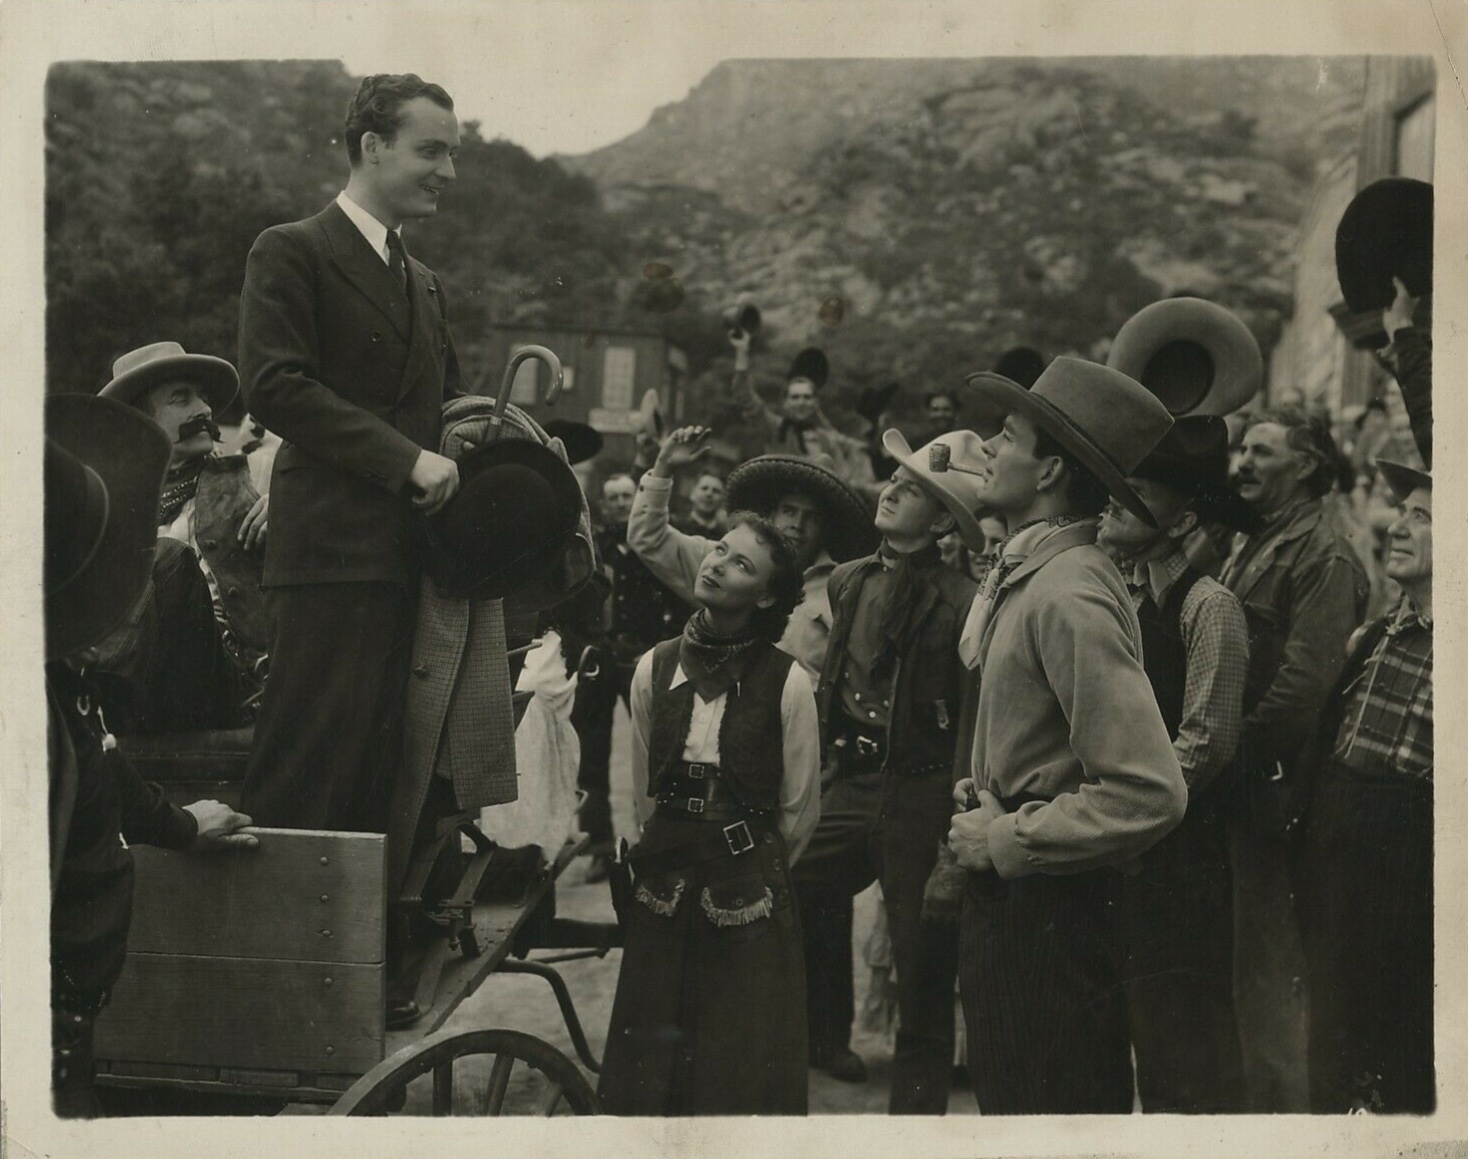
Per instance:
x=1310, y=434
x=787, y=583
x=377, y=107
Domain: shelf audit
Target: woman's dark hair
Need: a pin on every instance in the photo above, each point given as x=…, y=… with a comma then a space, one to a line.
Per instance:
x=786, y=584
x=1310, y=435
x=377, y=107
x=1084, y=492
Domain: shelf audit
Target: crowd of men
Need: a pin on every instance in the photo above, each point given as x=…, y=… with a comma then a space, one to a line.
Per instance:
x=1126, y=702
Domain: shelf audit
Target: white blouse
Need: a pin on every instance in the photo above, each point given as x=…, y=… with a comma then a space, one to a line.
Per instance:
x=800, y=787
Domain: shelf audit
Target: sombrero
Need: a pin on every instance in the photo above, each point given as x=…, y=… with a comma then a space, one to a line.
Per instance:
x=1106, y=420
x=139, y=370
x=103, y=471
x=1195, y=356
x=1385, y=232
x=757, y=484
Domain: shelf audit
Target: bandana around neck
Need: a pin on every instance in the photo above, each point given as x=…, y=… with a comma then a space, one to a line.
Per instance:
x=714, y=663
x=178, y=490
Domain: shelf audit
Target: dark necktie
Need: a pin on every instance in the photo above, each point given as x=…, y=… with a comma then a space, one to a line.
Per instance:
x=397, y=260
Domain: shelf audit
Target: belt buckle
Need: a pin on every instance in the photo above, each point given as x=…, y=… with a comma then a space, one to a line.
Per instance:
x=867, y=747
x=695, y=804
x=739, y=838
x=696, y=772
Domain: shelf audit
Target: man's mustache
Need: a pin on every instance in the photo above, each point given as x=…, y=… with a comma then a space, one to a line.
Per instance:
x=202, y=424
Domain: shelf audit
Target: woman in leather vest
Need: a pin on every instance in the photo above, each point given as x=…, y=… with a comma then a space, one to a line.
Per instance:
x=709, y=1016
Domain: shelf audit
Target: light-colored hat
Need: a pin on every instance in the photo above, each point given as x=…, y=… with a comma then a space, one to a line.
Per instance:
x=1106, y=420
x=148, y=366
x=957, y=490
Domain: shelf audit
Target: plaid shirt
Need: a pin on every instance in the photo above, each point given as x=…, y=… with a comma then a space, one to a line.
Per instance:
x=1387, y=726
x=1216, y=639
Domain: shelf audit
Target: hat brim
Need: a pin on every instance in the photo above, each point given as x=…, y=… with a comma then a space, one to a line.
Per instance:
x=1015, y=399
x=968, y=523
x=217, y=380
x=1238, y=365
x=130, y=454
x=1402, y=479
x=756, y=485
x=582, y=442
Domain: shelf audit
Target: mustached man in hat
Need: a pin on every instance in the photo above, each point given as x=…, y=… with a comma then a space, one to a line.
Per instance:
x=104, y=465
x=1176, y=915
x=890, y=698
x=345, y=352
x=1365, y=869
x=1073, y=770
x=800, y=427
x=209, y=504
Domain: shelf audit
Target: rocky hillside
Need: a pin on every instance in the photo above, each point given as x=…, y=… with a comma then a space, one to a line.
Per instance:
x=952, y=208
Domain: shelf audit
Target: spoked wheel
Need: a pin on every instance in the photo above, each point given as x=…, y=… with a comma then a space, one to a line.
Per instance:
x=476, y=1072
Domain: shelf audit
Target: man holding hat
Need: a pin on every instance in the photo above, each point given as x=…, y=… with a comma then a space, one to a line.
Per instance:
x=1176, y=915
x=345, y=352
x=210, y=504
x=1073, y=769
x=891, y=693
x=1366, y=860
x=104, y=465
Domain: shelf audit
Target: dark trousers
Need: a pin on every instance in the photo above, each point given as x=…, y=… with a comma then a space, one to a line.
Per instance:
x=1043, y=1004
x=1176, y=920
x=887, y=828
x=73, y=1067
x=591, y=717
x=1366, y=893
x=328, y=741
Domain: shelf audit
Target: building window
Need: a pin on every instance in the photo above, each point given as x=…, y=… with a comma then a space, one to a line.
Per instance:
x=619, y=370
x=1414, y=132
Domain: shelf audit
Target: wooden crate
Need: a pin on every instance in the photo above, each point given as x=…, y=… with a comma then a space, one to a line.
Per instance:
x=254, y=968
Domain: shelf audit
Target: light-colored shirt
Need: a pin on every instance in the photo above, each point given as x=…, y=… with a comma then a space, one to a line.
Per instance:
x=674, y=557
x=800, y=786
x=372, y=229
x=1215, y=639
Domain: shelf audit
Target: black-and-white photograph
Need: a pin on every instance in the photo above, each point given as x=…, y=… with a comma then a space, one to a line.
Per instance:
x=809, y=584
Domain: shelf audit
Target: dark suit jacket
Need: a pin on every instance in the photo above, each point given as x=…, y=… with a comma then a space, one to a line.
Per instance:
x=335, y=360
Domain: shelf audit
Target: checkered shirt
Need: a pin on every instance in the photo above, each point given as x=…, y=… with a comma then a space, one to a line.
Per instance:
x=1387, y=725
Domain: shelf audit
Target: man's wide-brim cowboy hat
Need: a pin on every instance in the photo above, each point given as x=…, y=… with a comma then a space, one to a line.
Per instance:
x=582, y=442
x=1402, y=479
x=1386, y=232
x=757, y=485
x=103, y=471
x=1106, y=420
x=505, y=528
x=1195, y=356
x=956, y=489
x=142, y=369
x=1192, y=458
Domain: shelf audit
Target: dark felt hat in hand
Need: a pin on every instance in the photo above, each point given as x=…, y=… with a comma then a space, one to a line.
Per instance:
x=505, y=529
x=103, y=471
x=1192, y=458
x=811, y=364
x=1194, y=355
x=1386, y=232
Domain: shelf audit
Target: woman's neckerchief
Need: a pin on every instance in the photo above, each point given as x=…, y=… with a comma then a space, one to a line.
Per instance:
x=178, y=489
x=896, y=605
x=714, y=663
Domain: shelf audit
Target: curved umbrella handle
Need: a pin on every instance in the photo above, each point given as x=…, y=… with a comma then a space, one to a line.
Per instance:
x=502, y=400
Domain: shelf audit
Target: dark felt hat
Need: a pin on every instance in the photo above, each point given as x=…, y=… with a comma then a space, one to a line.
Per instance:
x=505, y=529
x=1021, y=364
x=103, y=471
x=875, y=399
x=757, y=485
x=1193, y=459
x=1194, y=355
x=1385, y=232
x=810, y=363
x=1402, y=479
x=1106, y=420
x=582, y=442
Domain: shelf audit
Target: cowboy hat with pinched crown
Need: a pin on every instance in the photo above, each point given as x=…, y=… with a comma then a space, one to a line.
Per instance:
x=1193, y=459
x=103, y=470
x=1386, y=232
x=140, y=370
x=1195, y=356
x=1106, y=420
x=757, y=485
x=955, y=487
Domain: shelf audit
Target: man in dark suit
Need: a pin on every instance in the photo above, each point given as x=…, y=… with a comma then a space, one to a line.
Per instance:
x=345, y=352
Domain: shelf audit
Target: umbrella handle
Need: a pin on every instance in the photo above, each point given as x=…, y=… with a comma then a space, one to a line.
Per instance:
x=502, y=400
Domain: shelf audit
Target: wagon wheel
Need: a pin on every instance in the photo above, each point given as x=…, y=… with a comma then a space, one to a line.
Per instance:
x=545, y=1083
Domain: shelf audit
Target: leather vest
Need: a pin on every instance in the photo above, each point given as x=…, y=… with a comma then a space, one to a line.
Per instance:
x=751, y=735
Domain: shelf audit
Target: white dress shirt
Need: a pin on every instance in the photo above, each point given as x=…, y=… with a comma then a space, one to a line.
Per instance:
x=372, y=229
x=800, y=787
